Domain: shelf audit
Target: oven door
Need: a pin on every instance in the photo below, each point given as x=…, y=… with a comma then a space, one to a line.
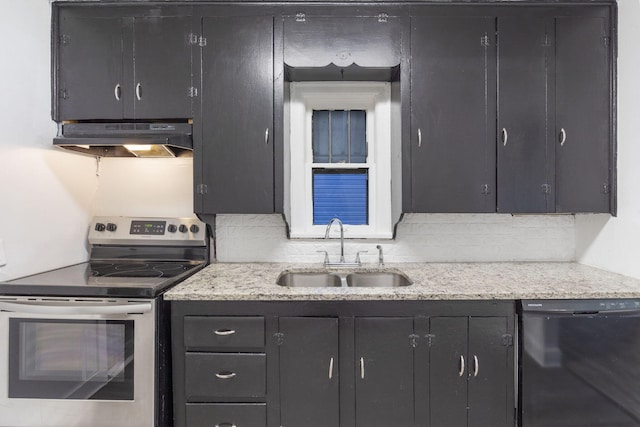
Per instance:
x=76, y=362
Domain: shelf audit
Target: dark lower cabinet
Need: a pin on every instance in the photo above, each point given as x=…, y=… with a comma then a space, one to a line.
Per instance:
x=384, y=372
x=309, y=372
x=453, y=86
x=470, y=381
x=234, y=153
x=343, y=363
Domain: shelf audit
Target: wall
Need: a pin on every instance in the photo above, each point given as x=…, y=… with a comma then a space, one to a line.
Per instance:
x=419, y=238
x=45, y=194
x=614, y=243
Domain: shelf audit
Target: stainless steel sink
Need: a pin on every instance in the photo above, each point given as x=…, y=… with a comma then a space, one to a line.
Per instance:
x=382, y=279
x=308, y=279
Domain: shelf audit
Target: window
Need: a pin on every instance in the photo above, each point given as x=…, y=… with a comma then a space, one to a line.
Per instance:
x=340, y=158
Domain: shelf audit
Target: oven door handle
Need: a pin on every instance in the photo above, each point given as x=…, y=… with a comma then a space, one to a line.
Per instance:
x=74, y=308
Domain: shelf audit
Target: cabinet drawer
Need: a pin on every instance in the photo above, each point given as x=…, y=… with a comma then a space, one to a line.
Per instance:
x=226, y=414
x=209, y=376
x=224, y=333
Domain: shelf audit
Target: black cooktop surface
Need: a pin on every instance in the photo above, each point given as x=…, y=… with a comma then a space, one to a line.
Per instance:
x=121, y=278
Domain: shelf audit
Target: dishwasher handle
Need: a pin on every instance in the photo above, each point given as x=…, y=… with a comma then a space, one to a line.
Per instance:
x=72, y=309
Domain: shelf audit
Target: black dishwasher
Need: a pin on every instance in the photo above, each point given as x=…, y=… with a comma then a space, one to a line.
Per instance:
x=579, y=363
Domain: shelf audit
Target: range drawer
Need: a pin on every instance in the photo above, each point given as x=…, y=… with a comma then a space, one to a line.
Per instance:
x=213, y=376
x=226, y=414
x=224, y=333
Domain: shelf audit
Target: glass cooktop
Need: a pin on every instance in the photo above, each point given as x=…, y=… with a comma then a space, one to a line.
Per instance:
x=105, y=278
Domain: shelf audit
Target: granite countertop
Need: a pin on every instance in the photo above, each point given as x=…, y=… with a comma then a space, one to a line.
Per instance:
x=431, y=281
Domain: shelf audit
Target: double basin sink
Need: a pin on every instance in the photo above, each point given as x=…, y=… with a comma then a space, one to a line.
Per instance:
x=357, y=279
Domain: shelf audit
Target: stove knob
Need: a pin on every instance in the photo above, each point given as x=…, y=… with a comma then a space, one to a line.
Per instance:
x=111, y=227
x=183, y=228
x=172, y=228
x=100, y=226
x=194, y=228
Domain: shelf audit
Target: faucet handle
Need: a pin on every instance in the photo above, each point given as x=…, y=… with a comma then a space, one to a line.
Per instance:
x=358, y=256
x=326, y=256
x=380, y=256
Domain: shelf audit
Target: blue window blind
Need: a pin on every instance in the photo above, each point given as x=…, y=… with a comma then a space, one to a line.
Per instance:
x=340, y=193
x=339, y=136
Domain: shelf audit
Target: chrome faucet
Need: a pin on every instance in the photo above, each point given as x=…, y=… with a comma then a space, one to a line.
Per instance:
x=326, y=236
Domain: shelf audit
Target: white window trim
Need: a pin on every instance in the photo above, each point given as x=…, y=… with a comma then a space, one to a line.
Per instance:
x=375, y=98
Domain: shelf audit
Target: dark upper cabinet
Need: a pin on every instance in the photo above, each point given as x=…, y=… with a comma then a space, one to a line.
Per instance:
x=342, y=47
x=453, y=115
x=122, y=67
x=525, y=117
x=470, y=372
x=234, y=153
x=309, y=372
x=584, y=160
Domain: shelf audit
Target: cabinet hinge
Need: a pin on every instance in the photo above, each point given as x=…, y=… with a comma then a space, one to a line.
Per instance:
x=413, y=340
x=484, y=40
x=485, y=189
x=203, y=188
x=301, y=17
x=202, y=41
x=64, y=39
x=606, y=40
x=193, y=38
x=507, y=340
x=193, y=92
x=279, y=338
x=605, y=188
x=545, y=188
x=383, y=17
x=430, y=338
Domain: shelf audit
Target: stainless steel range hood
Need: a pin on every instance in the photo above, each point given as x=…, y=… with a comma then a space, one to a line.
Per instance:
x=127, y=139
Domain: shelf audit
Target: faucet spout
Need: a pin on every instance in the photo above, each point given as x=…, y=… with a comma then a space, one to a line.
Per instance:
x=326, y=235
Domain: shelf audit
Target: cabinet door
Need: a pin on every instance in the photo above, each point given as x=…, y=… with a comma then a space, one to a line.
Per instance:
x=309, y=375
x=162, y=74
x=237, y=115
x=91, y=82
x=448, y=372
x=453, y=114
x=489, y=371
x=384, y=372
x=583, y=115
x=525, y=168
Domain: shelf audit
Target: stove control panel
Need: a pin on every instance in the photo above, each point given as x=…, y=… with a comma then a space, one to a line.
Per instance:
x=147, y=231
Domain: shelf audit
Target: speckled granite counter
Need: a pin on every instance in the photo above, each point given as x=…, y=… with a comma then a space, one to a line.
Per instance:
x=431, y=281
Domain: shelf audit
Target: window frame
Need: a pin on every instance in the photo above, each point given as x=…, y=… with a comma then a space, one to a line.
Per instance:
x=375, y=99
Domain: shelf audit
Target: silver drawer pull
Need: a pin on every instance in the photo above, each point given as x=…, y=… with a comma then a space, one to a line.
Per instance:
x=266, y=136
x=224, y=332
x=419, y=138
x=563, y=137
x=461, y=370
x=476, y=366
x=225, y=375
x=331, y=368
x=225, y=425
x=116, y=92
x=505, y=137
x=362, y=367
x=139, y=91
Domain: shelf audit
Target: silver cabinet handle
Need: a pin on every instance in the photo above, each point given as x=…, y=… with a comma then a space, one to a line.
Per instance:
x=362, y=367
x=139, y=91
x=74, y=308
x=225, y=375
x=225, y=425
x=505, y=137
x=563, y=137
x=266, y=136
x=419, y=138
x=331, y=368
x=224, y=332
x=476, y=366
x=461, y=370
x=116, y=92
